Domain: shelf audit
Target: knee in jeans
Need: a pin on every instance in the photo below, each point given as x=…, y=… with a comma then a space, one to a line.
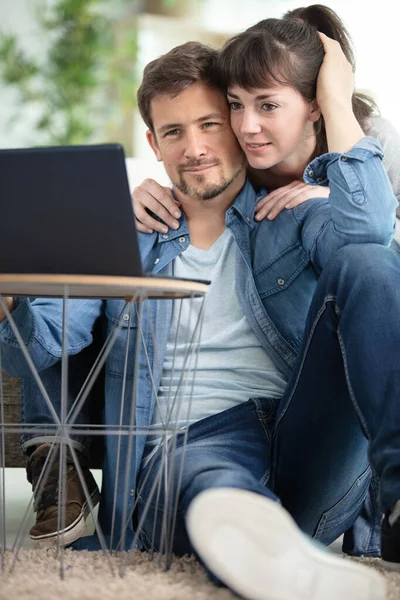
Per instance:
x=371, y=262
x=217, y=478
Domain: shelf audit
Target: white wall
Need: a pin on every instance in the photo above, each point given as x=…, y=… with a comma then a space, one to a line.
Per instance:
x=139, y=169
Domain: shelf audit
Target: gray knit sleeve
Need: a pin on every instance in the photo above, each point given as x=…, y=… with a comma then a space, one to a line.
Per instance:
x=387, y=135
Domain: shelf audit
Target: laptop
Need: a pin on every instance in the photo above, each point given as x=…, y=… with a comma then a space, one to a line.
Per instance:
x=67, y=210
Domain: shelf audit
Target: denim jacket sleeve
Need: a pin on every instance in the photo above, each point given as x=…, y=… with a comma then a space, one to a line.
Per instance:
x=361, y=206
x=39, y=323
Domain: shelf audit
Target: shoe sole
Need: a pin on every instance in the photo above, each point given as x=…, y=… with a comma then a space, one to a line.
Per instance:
x=253, y=546
x=71, y=533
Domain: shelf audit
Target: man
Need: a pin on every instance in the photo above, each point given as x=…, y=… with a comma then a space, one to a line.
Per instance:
x=253, y=267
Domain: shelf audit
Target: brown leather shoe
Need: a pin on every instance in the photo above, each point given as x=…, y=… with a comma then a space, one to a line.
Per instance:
x=45, y=531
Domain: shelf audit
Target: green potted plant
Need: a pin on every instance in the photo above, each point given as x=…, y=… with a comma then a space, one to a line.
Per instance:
x=87, y=79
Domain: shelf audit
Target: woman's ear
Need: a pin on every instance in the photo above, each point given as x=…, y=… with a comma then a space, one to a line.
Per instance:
x=315, y=112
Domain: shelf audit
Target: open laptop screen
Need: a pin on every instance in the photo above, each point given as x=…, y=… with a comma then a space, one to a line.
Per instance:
x=67, y=210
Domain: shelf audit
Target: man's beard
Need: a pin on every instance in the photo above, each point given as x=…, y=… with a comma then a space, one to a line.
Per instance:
x=201, y=190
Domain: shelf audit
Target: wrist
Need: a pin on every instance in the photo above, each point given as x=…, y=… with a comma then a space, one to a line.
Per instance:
x=9, y=301
x=334, y=109
x=343, y=130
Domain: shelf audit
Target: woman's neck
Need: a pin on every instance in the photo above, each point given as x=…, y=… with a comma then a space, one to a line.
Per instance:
x=288, y=170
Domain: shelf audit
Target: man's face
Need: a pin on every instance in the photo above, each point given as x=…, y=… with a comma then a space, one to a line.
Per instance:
x=193, y=137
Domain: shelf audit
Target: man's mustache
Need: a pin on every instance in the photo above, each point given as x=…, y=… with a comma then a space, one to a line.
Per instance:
x=198, y=163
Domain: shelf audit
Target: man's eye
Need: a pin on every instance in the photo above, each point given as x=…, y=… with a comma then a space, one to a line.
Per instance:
x=208, y=125
x=235, y=105
x=268, y=107
x=172, y=133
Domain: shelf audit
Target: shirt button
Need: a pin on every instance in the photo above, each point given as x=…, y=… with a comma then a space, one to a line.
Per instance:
x=281, y=281
x=156, y=261
x=248, y=219
x=310, y=173
x=132, y=493
x=319, y=179
x=344, y=158
x=126, y=317
x=182, y=240
x=165, y=236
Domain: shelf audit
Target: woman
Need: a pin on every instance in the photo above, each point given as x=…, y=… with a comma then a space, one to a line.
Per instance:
x=296, y=34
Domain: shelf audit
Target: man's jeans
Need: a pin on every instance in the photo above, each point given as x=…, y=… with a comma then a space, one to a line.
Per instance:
x=35, y=413
x=340, y=408
x=230, y=449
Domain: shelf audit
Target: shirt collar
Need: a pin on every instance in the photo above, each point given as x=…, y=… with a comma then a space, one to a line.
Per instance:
x=243, y=205
x=173, y=234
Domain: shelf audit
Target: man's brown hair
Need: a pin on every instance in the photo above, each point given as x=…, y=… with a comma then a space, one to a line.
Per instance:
x=175, y=71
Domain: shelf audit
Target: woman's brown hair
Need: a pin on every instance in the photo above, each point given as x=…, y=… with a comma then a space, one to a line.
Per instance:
x=289, y=51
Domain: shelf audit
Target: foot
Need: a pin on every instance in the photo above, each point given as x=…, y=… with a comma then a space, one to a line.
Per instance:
x=253, y=546
x=391, y=539
x=47, y=531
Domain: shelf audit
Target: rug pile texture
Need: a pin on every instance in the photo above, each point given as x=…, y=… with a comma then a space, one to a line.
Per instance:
x=87, y=576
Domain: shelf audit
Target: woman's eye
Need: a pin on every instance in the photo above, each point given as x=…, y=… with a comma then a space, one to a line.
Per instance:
x=268, y=107
x=235, y=105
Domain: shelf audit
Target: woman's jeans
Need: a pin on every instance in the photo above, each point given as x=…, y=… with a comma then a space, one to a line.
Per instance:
x=340, y=413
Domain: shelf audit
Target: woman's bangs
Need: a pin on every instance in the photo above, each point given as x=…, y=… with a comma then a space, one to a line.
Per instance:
x=250, y=65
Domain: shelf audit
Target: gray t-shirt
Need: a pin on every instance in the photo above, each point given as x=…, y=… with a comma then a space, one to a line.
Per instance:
x=387, y=135
x=231, y=367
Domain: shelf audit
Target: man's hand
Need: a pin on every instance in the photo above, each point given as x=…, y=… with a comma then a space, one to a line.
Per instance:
x=10, y=304
x=288, y=196
x=160, y=201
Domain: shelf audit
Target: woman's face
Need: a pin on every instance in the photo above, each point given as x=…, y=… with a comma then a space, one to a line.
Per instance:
x=274, y=126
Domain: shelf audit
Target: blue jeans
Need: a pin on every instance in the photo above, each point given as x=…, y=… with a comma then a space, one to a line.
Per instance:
x=35, y=412
x=339, y=414
x=230, y=449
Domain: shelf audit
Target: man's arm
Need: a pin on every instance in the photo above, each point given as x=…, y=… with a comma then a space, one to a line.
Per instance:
x=40, y=326
x=10, y=305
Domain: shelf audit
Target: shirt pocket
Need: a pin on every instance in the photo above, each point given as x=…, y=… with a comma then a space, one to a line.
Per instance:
x=123, y=315
x=278, y=274
x=119, y=312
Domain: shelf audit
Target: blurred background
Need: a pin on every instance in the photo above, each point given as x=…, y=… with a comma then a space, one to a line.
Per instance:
x=69, y=69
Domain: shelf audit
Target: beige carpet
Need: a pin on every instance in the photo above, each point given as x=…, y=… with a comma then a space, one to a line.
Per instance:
x=88, y=577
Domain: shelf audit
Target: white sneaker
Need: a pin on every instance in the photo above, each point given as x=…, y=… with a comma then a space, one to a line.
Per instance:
x=253, y=546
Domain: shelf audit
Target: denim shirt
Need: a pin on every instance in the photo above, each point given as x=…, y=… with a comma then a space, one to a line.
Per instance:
x=277, y=267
